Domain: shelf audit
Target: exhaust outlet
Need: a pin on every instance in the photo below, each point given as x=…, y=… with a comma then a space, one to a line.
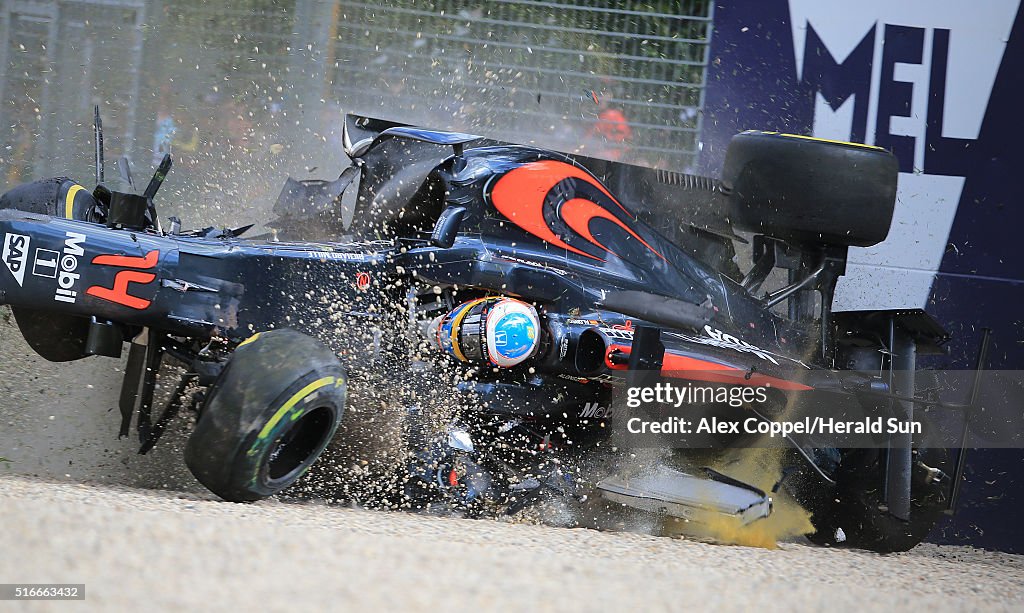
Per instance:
x=580, y=351
x=592, y=352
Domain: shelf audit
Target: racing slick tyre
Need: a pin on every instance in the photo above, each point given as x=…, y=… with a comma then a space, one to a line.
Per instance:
x=267, y=417
x=810, y=190
x=856, y=516
x=54, y=336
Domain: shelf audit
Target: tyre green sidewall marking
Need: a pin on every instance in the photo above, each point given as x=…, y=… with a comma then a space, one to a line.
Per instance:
x=268, y=428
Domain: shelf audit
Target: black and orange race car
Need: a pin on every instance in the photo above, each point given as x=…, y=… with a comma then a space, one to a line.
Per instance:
x=551, y=283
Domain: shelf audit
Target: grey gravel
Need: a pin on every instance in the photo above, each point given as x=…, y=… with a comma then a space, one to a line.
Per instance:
x=142, y=548
x=79, y=506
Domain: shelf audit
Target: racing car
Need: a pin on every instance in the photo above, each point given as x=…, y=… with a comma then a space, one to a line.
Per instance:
x=540, y=284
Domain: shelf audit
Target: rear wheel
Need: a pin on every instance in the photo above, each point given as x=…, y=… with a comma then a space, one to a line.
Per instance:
x=854, y=512
x=54, y=336
x=268, y=417
x=808, y=190
x=855, y=515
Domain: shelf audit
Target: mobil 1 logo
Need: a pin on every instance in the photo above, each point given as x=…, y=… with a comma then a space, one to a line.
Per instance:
x=67, y=278
x=15, y=255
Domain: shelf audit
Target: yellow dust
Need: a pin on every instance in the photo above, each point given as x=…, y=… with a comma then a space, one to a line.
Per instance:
x=762, y=469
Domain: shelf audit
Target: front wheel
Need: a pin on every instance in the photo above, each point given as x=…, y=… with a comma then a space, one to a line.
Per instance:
x=268, y=417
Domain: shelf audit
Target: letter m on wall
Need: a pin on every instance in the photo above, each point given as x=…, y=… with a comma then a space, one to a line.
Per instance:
x=837, y=81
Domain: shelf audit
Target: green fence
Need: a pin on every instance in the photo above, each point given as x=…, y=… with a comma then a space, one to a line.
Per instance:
x=259, y=86
x=622, y=80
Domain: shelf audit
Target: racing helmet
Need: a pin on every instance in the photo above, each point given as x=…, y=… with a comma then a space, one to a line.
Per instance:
x=499, y=331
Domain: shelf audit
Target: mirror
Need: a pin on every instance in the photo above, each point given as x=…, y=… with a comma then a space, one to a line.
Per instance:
x=447, y=226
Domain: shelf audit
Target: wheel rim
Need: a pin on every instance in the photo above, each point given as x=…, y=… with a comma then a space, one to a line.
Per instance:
x=299, y=447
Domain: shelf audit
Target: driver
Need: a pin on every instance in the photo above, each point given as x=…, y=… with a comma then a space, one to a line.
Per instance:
x=499, y=331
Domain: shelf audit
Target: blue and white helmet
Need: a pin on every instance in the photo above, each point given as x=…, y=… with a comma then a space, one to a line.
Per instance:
x=512, y=331
x=503, y=332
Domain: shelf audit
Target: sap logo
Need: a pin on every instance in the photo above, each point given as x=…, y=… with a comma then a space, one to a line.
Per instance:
x=913, y=77
x=596, y=411
x=67, y=278
x=15, y=254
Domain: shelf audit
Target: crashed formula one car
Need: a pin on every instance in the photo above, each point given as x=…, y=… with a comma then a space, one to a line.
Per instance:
x=545, y=281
